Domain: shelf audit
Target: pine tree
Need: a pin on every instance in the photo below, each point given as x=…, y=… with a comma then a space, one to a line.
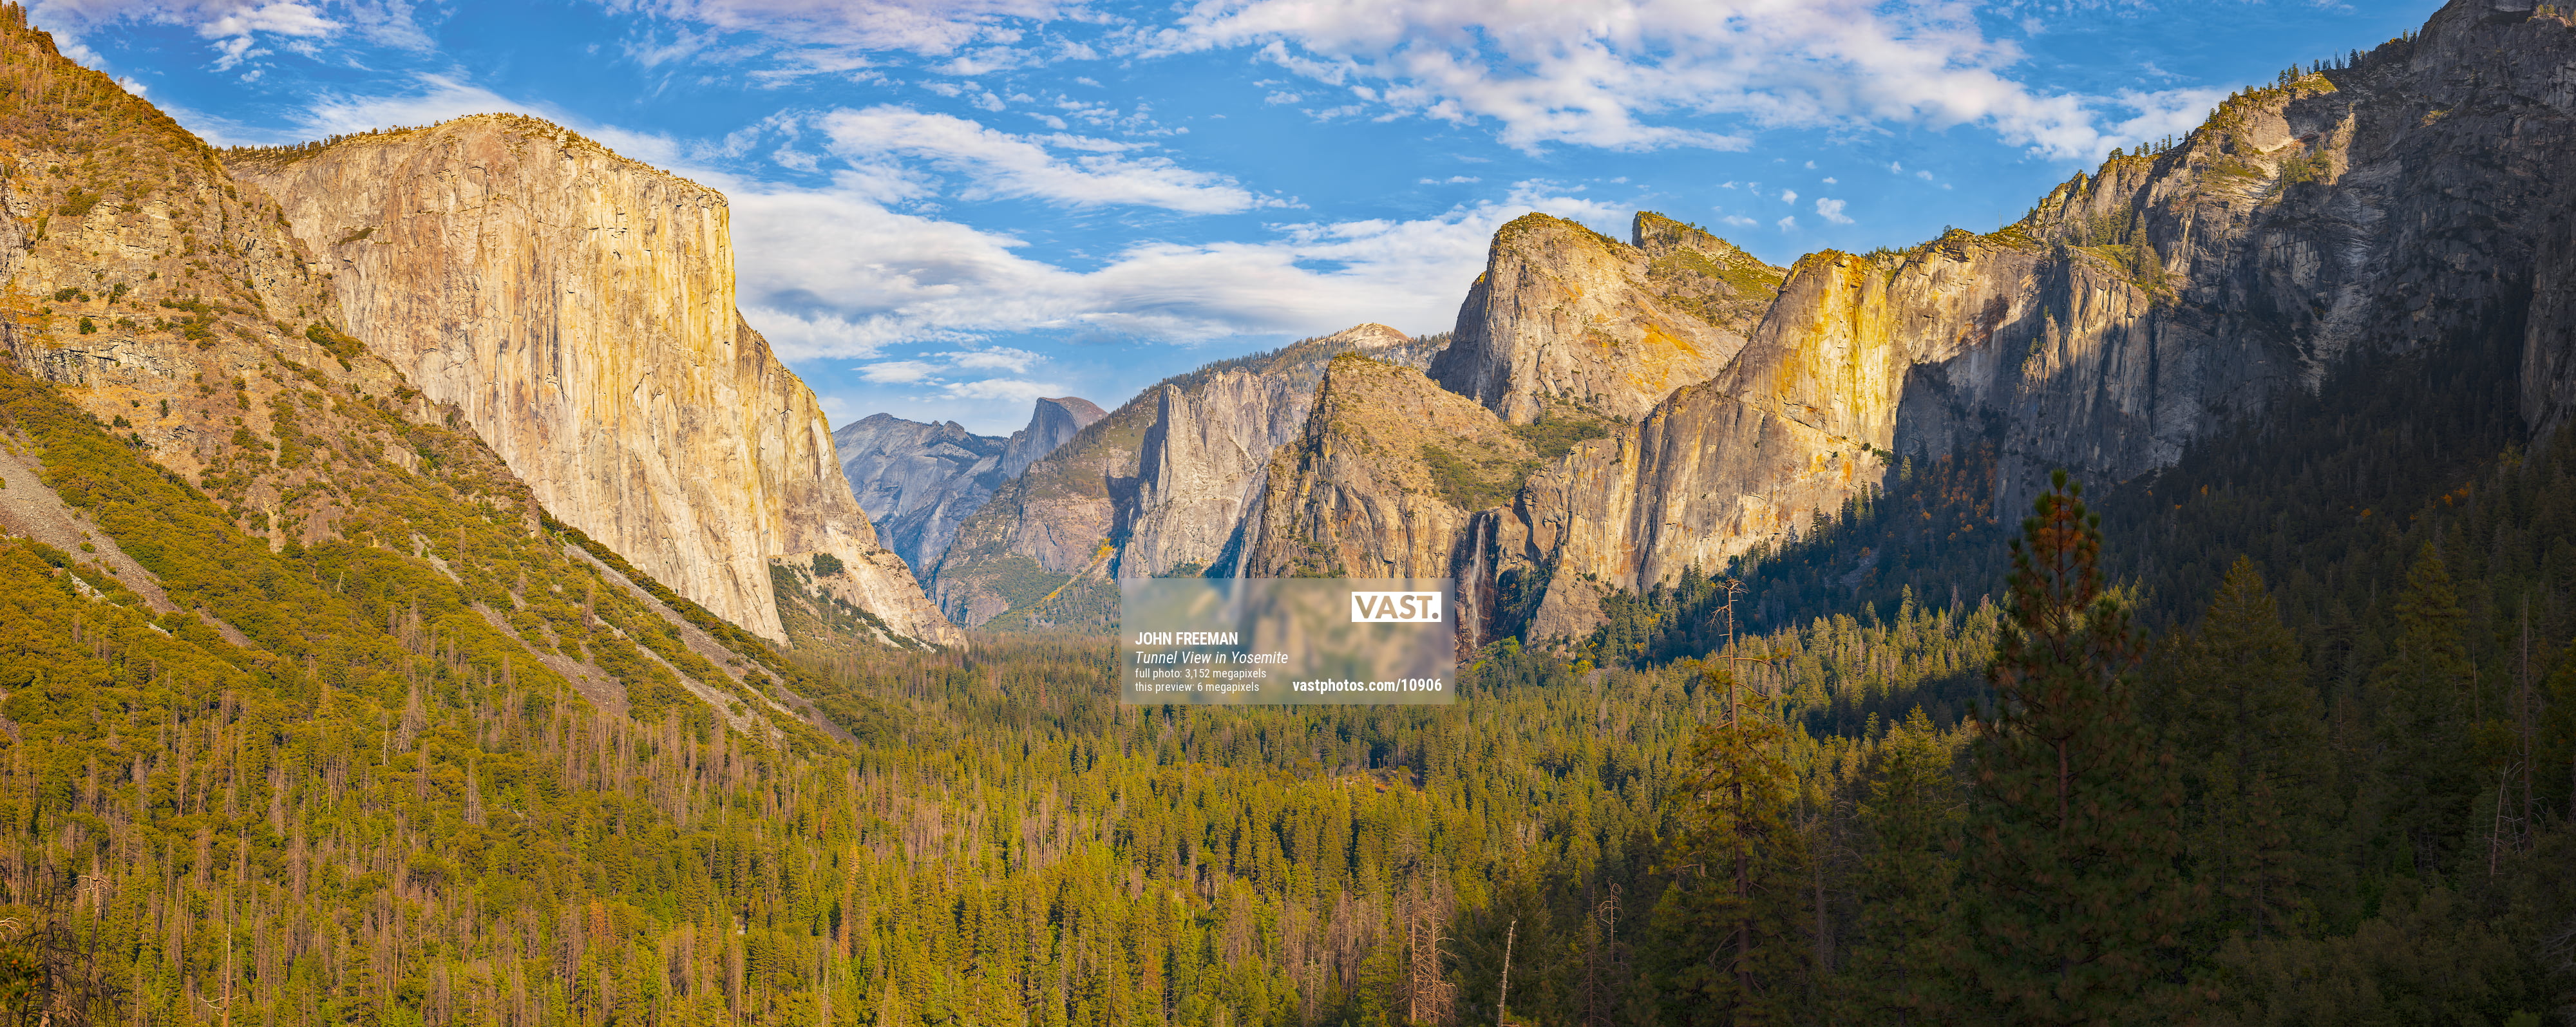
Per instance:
x=1731, y=925
x=2426, y=781
x=1910, y=826
x=2249, y=734
x=2069, y=895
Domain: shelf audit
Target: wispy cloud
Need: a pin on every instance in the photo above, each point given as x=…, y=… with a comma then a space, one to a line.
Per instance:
x=1000, y=164
x=1630, y=74
x=1832, y=210
x=925, y=27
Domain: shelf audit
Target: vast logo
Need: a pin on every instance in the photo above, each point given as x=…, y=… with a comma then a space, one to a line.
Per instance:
x=1398, y=607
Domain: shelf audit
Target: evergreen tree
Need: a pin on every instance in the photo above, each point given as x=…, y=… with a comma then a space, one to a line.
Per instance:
x=2426, y=780
x=2069, y=894
x=1910, y=827
x=2233, y=700
x=1731, y=925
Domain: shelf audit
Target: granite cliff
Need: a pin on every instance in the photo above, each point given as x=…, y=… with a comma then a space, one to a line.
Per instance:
x=918, y=481
x=1568, y=336
x=2410, y=196
x=204, y=459
x=578, y=309
x=1159, y=486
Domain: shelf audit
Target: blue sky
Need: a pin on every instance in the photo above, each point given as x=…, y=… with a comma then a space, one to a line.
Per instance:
x=945, y=209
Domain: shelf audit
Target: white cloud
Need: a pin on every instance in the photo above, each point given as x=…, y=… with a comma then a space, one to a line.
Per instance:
x=2162, y=113
x=1452, y=180
x=1831, y=180
x=1788, y=196
x=922, y=280
x=1283, y=97
x=898, y=371
x=284, y=18
x=1924, y=175
x=1002, y=388
x=439, y=99
x=1896, y=167
x=1000, y=164
x=927, y=27
x=1738, y=220
x=1788, y=224
x=999, y=358
x=1620, y=74
x=1832, y=210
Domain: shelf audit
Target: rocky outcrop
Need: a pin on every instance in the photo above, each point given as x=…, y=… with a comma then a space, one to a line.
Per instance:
x=1570, y=321
x=920, y=481
x=578, y=308
x=1159, y=486
x=1383, y=481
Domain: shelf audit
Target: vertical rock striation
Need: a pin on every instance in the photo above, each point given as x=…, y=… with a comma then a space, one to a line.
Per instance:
x=578, y=308
x=915, y=480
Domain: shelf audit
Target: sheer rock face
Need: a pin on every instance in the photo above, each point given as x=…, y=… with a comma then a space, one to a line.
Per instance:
x=2373, y=209
x=578, y=307
x=1566, y=317
x=1160, y=485
x=920, y=481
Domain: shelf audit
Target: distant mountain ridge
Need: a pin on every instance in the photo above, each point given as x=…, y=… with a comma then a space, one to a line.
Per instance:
x=920, y=481
x=1159, y=486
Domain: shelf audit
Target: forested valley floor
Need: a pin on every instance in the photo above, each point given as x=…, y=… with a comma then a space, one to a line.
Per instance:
x=370, y=814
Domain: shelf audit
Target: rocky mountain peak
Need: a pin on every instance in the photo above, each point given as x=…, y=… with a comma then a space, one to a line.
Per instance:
x=1367, y=337
x=1570, y=322
x=1053, y=423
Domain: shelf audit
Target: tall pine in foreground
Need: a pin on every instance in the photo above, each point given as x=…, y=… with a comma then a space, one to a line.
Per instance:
x=1909, y=819
x=1732, y=921
x=2426, y=781
x=2232, y=700
x=2069, y=894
